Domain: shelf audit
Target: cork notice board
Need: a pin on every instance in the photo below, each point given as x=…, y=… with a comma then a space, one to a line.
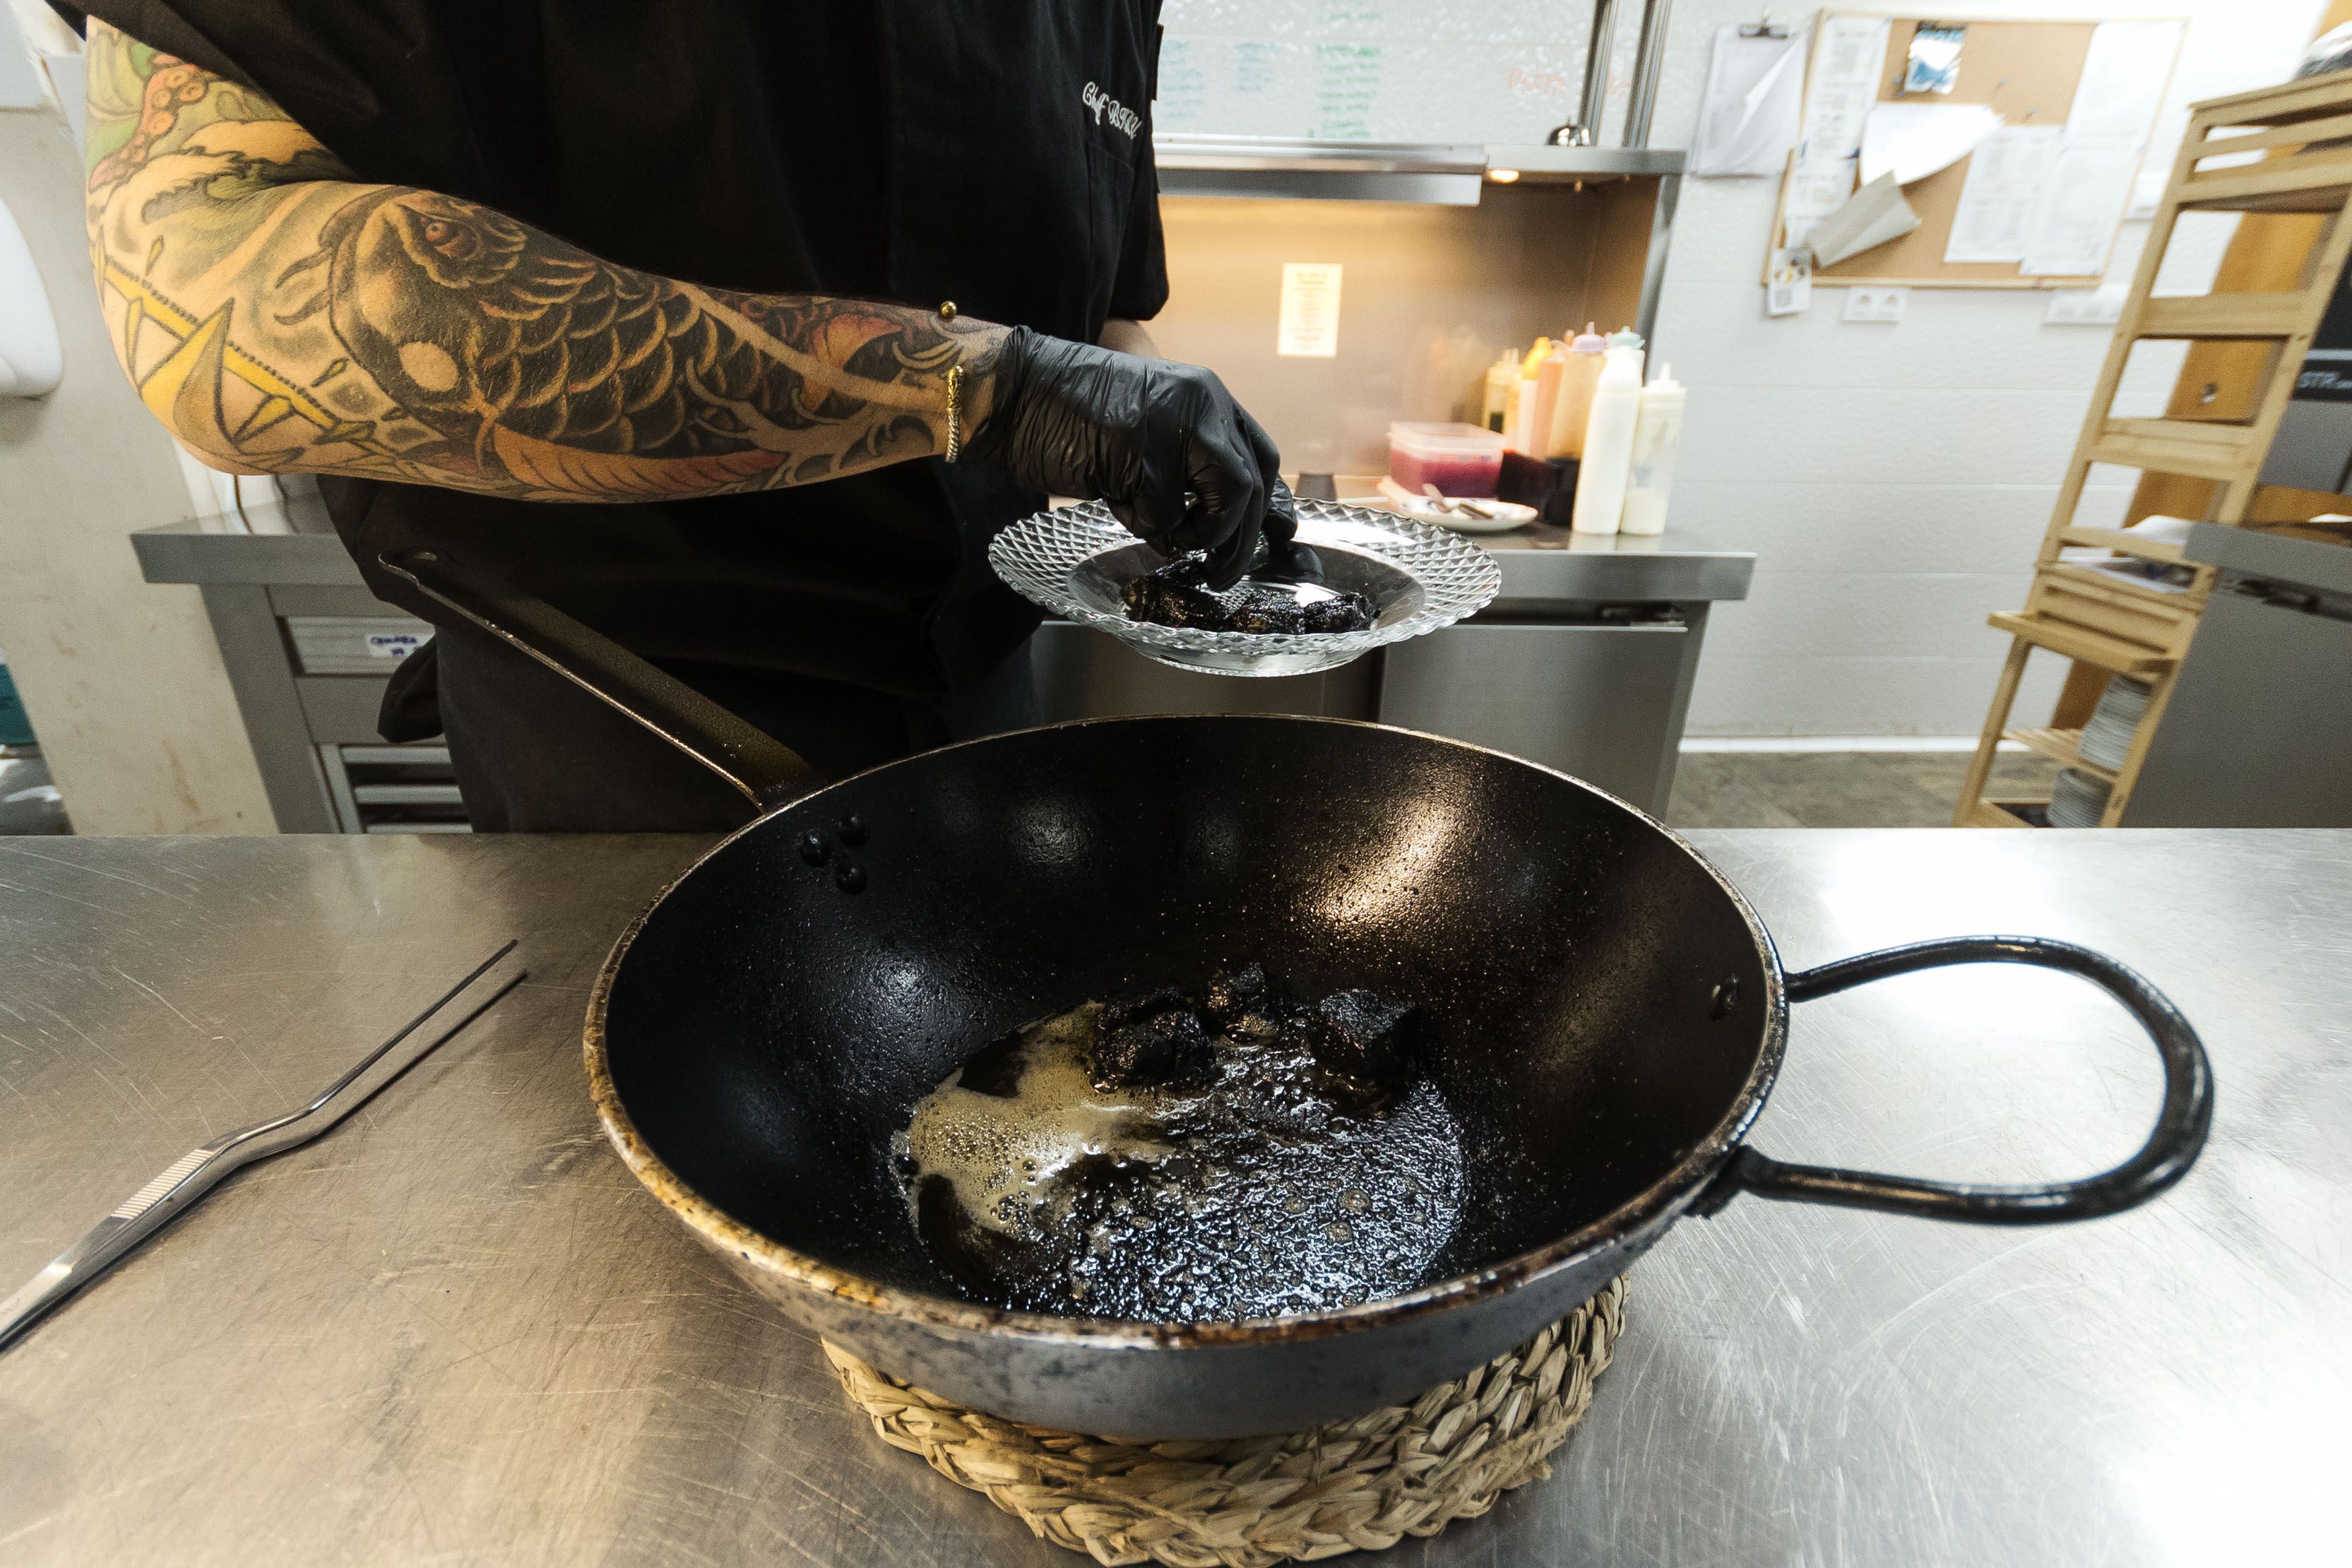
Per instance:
x=2026, y=72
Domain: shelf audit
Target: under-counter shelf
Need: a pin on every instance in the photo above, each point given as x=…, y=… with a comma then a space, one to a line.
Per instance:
x=2063, y=747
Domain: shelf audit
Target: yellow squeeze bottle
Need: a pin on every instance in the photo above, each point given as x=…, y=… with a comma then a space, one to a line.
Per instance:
x=1527, y=436
x=1502, y=392
x=1547, y=391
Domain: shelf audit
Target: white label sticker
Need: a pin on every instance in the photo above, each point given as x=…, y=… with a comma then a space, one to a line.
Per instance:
x=1310, y=325
x=394, y=645
x=1789, y=289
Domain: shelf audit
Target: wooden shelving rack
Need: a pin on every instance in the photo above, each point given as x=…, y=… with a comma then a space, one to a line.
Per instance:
x=2295, y=135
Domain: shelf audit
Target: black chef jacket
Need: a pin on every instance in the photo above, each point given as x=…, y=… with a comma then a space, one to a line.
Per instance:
x=994, y=152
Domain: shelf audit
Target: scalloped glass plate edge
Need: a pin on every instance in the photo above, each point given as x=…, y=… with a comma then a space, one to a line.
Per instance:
x=1040, y=555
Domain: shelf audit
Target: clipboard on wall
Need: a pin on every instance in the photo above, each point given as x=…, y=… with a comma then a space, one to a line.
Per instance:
x=2028, y=72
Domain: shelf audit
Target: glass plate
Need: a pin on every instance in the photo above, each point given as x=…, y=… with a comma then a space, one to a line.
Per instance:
x=1419, y=578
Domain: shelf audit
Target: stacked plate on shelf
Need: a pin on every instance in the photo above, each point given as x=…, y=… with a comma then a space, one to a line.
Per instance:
x=2108, y=736
x=2077, y=799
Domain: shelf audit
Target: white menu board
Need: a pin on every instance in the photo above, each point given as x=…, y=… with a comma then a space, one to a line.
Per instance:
x=1405, y=70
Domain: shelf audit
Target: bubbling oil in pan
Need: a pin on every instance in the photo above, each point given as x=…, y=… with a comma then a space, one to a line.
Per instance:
x=1235, y=1154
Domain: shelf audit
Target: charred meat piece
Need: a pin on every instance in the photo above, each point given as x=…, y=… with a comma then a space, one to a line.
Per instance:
x=1254, y=1012
x=1231, y=991
x=1118, y=1014
x=1153, y=1042
x=1174, y=595
x=1286, y=1174
x=1348, y=613
x=1366, y=1046
x=1162, y=601
x=1290, y=1061
x=1259, y=609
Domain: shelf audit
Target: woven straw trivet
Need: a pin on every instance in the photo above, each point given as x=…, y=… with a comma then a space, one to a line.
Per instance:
x=1250, y=1502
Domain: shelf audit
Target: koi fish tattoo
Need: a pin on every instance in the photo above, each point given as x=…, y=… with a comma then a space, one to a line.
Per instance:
x=280, y=315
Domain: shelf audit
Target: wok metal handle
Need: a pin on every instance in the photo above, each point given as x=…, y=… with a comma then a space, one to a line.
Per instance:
x=766, y=772
x=2171, y=1148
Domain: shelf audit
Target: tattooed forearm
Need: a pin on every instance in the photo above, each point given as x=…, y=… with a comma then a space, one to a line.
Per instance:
x=279, y=316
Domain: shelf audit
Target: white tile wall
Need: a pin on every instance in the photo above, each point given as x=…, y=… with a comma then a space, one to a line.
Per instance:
x=1894, y=479
x=121, y=676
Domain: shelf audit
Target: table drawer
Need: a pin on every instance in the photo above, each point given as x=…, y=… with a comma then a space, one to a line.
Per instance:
x=352, y=645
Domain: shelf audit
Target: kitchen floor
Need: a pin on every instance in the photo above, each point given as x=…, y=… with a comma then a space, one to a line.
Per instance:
x=1837, y=789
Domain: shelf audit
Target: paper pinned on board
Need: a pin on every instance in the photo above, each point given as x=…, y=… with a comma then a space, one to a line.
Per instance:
x=1846, y=63
x=2123, y=80
x=2006, y=174
x=1815, y=191
x=1307, y=323
x=2089, y=188
x=1913, y=141
x=2072, y=226
x=1748, y=116
x=1872, y=216
x=1844, y=84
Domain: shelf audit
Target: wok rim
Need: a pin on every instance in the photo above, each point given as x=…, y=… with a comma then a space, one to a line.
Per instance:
x=1677, y=1186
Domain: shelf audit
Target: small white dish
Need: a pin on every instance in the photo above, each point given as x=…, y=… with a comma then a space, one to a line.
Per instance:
x=1508, y=514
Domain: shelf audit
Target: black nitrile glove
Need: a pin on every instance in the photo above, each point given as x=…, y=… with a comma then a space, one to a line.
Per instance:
x=1282, y=522
x=1179, y=462
x=1287, y=561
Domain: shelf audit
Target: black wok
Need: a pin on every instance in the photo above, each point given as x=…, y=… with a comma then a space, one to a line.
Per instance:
x=1611, y=1013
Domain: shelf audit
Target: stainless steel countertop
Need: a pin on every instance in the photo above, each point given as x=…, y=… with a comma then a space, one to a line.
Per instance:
x=455, y=1331
x=1541, y=565
x=2280, y=557
x=1545, y=565
x=184, y=553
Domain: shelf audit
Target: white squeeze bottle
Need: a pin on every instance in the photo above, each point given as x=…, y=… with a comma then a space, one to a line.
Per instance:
x=1657, y=430
x=1575, y=404
x=1609, y=439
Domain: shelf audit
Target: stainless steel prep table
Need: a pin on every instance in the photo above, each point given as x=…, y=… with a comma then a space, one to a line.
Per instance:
x=1584, y=663
x=455, y=1331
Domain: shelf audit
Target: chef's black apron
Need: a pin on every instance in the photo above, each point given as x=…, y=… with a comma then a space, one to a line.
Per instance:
x=996, y=154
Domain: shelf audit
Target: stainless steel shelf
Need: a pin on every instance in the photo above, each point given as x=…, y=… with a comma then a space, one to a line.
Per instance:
x=1300, y=155
x=1435, y=173
x=1541, y=161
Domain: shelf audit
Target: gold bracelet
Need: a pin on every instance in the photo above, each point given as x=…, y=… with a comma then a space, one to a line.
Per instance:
x=955, y=431
x=955, y=393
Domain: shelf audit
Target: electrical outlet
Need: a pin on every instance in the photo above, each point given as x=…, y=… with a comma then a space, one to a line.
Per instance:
x=1876, y=304
x=2101, y=306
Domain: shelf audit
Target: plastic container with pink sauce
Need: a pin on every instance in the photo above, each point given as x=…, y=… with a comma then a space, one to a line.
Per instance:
x=1459, y=460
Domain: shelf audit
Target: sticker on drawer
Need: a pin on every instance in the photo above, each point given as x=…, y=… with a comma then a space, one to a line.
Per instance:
x=353, y=645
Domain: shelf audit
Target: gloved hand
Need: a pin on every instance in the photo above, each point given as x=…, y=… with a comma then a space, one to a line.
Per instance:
x=1287, y=561
x=1181, y=463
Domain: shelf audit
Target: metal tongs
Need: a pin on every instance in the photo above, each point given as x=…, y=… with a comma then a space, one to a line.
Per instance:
x=1437, y=498
x=198, y=1171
